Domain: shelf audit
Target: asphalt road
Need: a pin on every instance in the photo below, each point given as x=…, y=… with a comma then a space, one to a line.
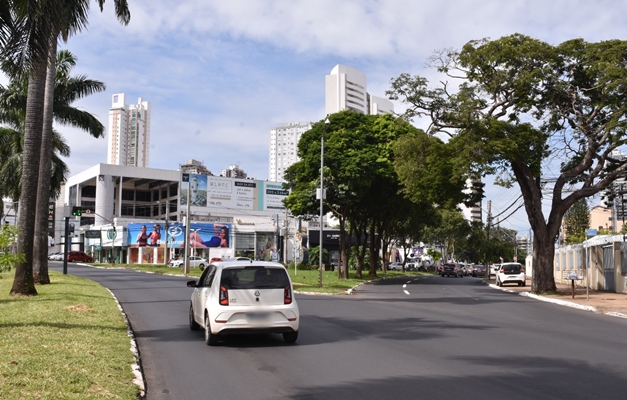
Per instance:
x=432, y=338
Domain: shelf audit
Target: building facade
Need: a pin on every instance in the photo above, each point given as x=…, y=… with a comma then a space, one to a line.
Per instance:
x=284, y=148
x=346, y=89
x=234, y=171
x=117, y=201
x=128, y=132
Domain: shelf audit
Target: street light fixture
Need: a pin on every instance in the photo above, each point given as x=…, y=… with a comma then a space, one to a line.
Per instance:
x=321, y=195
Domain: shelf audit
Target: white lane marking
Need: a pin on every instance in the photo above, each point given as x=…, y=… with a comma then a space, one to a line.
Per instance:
x=404, y=286
x=406, y=292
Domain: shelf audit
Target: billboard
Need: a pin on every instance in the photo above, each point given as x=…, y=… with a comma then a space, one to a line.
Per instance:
x=239, y=194
x=202, y=235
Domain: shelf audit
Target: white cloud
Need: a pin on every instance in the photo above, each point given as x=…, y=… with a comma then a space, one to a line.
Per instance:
x=220, y=74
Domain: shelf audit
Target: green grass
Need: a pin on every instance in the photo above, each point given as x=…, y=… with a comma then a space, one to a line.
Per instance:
x=69, y=342
x=304, y=281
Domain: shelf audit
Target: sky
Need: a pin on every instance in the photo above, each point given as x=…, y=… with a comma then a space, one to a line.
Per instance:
x=220, y=74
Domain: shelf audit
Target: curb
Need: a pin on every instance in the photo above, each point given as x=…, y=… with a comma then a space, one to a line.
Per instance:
x=136, y=367
x=559, y=302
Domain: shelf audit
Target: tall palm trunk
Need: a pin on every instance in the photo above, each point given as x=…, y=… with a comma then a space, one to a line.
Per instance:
x=23, y=283
x=40, y=249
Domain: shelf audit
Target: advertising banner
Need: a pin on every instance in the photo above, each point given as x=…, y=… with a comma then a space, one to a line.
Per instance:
x=201, y=235
x=239, y=194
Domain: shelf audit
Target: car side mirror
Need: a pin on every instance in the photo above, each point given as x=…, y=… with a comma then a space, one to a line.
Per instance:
x=191, y=283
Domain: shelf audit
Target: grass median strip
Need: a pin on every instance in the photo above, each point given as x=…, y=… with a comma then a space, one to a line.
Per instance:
x=69, y=342
x=304, y=280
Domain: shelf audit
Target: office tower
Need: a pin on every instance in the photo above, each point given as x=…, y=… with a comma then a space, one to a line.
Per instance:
x=284, y=147
x=129, y=132
x=346, y=89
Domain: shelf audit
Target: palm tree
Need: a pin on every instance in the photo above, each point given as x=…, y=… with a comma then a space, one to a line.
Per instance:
x=12, y=103
x=51, y=18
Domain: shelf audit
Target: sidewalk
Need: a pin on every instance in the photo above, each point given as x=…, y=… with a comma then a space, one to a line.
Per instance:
x=614, y=304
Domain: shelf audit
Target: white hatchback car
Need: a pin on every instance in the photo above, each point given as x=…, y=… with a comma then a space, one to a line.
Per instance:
x=193, y=262
x=511, y=273
x=235, y=297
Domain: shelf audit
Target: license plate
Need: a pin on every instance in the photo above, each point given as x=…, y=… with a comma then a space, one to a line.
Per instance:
x=256, y=316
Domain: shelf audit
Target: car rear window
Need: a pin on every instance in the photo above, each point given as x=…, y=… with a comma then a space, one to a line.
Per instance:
x=512, y=268
x=254, y=278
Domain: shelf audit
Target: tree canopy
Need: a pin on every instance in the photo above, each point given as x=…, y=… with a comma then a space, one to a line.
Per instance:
x=547, y=117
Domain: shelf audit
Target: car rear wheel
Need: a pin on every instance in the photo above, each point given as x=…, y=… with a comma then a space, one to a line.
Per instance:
x=210, y=338
x=201, y=266
x=193, y=325
x=290, y=337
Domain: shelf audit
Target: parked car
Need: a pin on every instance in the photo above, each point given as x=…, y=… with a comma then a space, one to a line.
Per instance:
x=395, y=266
x=52, y=256
x=74, y=256
x=194, y=261
x=235, y=297
x=449, y=269
x=479, y=270
x=494, y=268
x=511, y=273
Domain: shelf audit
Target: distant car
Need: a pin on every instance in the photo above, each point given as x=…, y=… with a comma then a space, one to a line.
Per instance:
x=478, y=270
x=194, y=261
x=75, y=256
x=511, y=273
x=449, y=269
x=395, y=266
x=494, y=268
x=238, y=297
x=52, y=256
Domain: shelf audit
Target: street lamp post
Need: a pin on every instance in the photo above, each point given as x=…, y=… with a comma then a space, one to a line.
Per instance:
x=321, y=196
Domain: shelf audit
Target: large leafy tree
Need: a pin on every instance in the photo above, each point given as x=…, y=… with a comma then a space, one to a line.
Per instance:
x=40, y=23
x=356, y=166
x=532, y=113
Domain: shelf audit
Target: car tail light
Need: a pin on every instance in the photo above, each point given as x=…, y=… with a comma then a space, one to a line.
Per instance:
x=224, y=296
x=287, y=295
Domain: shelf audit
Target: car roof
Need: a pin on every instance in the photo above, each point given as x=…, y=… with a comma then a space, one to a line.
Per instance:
x=247, y=263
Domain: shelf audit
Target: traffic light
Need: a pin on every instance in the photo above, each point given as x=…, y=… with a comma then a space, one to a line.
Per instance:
x=77, y=211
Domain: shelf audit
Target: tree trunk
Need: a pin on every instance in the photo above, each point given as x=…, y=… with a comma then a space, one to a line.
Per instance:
x=23, y=283
x=372, y=252
x=40, y=250
x=342, y=272
x=543, y=255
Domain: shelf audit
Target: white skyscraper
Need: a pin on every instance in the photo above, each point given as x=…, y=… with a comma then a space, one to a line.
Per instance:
x=346, y=89
x=284, y=147
x=129, y=132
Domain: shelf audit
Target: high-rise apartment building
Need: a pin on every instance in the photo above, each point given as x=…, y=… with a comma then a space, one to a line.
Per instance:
x=346, y=89
x=284, y=147
x=194, y=167
x=129, y=132
x=234, y=171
